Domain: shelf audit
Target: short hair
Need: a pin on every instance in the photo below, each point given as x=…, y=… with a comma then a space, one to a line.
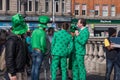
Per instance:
x=65, y=26
x=83, y=21
x=111, y=31
x=3, y=34
x=50, y=29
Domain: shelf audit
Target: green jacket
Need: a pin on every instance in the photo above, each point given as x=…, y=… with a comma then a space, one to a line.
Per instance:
x=62, y=43
x=80, y=41
x=38, y=40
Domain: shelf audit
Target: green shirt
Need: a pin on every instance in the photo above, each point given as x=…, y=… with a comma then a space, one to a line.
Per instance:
x=38, y=40
x=62, y=43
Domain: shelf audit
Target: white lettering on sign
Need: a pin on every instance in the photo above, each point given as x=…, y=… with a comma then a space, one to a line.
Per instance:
x=105, y=21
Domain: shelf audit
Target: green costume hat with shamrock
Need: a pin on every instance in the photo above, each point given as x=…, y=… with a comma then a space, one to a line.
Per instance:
x=73, y=26
x=18, y=24
x=43, y=20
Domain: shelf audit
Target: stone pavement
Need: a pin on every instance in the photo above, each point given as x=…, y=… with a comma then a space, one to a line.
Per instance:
x=89, y=77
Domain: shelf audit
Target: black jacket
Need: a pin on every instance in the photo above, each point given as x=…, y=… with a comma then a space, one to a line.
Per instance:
x=16, y=54
x=111, y=54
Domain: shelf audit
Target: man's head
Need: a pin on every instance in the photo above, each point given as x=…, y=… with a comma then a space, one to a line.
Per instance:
x=81, y=23
x=50, y=31
x=3, y=35
x=65, y=26
x=112, y=32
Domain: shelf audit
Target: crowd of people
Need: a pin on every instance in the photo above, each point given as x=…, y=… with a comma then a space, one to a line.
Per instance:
x=25, y=51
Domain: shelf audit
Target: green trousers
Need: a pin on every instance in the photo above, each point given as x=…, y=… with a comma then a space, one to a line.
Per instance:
x=54, y=67
x=78, y=69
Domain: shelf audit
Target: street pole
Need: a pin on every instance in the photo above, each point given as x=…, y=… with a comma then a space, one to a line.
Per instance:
x=53, y=17
x=19, y=5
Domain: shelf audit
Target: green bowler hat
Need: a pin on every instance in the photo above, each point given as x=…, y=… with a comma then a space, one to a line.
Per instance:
x=18, y=24
x=43, y=20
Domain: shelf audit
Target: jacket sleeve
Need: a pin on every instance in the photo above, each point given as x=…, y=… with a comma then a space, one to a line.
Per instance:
x=70, y=45
x=82, y=37
x=48, y=45
x=9, y=57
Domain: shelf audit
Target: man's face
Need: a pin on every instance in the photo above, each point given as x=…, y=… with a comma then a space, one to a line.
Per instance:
x=79, y=24
x=51, y=32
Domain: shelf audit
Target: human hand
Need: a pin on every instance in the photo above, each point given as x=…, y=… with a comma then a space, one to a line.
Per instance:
x=13, y=78
x=112, y=45
x=76, y=32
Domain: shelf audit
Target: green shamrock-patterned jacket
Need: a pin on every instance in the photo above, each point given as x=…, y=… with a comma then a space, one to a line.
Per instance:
x=62, y=43
x=78, y=68
x=80, y=41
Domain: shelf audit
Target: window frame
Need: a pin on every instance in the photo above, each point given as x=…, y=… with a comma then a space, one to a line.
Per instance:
x=57, y=2
x=84, y=9
x=77, y=9
x=113, y=11
x=105, y=12
x=97, y=10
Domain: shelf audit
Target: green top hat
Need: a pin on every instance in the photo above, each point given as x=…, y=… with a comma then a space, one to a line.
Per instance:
x=43, y=20
x=18, y=24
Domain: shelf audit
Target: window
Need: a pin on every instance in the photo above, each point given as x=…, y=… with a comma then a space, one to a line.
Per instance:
x=26, y=6
x=83, y=12
x=1, y=4
x=46, y=5
x=63, y=5
x=97, y=8
x=84, y=9
x=7, y=4
x=36, y=5
x=96, y=13
x=56, y=5
x=113, y=10
x=77, y=8
x=76, y=12
x=105, y=10
x=29, y=5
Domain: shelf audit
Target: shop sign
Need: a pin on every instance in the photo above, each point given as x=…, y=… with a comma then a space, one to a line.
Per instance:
x=105, y=21
x=95, y=21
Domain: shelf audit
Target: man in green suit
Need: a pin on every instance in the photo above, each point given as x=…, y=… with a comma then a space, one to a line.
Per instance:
x=61, y=47
x=81, y=38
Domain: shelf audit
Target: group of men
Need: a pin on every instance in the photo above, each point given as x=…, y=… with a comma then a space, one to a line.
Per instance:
x=62, y=45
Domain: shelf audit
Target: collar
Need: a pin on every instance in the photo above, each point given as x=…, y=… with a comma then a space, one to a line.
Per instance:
x=82, y=28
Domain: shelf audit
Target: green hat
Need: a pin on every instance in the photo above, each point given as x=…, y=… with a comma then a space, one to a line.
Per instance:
x=73, y=28
x=43, y=20
x=18, y=24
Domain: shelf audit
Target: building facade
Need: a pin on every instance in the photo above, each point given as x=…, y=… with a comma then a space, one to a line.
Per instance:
x=102, y=9
x=33, y=8
x=100, y=14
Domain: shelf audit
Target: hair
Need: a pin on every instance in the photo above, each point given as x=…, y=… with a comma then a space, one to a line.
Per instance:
x=112, y=32
x=83, y=21
x=3, y=35
x=29, y=33
x=51, y=29
x=65, y=26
